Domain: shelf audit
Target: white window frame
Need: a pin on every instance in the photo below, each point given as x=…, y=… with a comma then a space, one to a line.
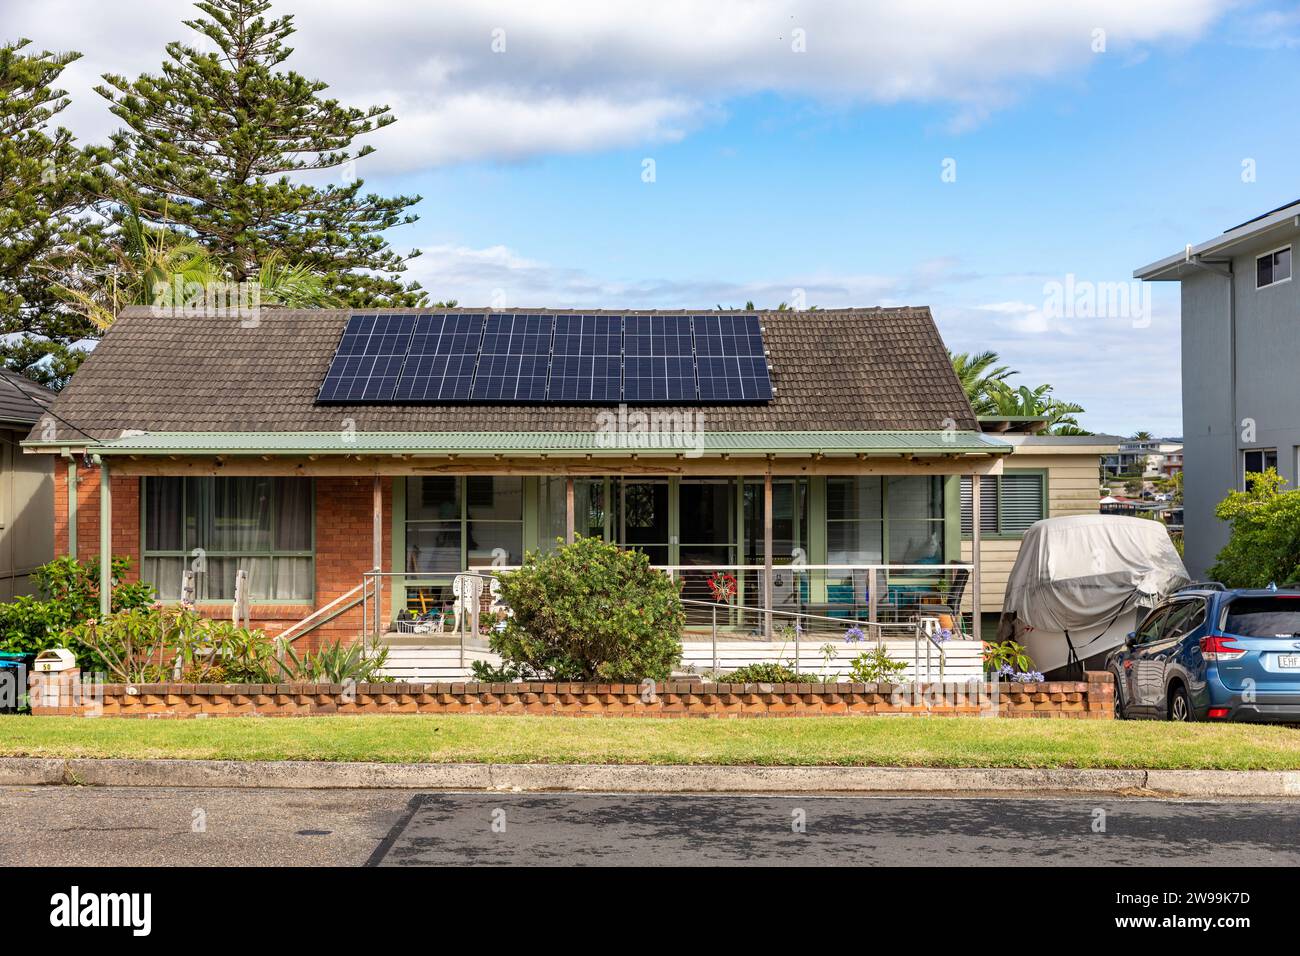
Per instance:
x=1270, y=253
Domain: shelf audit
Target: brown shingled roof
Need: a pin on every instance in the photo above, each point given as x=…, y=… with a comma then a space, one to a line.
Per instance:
x=859, y=370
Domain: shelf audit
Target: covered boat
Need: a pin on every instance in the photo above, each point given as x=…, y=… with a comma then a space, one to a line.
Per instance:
x=1080, y=584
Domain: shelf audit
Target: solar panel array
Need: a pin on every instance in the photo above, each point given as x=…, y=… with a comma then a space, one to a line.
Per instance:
x=523, y=358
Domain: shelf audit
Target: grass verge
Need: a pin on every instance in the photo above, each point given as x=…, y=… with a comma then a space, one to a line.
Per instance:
x=804, y=741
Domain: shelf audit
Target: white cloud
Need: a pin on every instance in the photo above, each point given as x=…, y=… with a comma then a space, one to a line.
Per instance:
x=589, y=74
x=1024, y=317
x=500, y=275
x=1125, y=374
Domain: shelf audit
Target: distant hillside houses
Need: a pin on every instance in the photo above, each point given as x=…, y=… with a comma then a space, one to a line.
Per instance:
x=1149, y=457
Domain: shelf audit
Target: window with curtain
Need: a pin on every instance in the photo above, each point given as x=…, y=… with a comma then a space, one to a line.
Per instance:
x=1009, y=503
x=219, y=526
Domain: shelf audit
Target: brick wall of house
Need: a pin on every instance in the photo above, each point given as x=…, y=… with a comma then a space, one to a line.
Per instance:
x=343, y=543
x=126, y=515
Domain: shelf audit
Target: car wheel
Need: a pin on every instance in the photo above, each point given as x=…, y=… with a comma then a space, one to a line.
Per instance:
x=1180, y=705
x=1119, y=697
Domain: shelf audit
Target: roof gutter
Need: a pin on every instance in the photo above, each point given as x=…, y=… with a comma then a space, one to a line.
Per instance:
x=1170, y=267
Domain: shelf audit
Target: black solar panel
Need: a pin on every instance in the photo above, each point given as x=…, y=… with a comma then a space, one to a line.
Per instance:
x=522, y=358
x=515, y=358
x=444, y=353
x=658, y=359
x=369, y=359
x=730, y=359
x=587, y=359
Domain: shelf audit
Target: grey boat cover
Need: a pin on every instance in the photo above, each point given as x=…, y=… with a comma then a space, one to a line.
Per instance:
x=1076, y=573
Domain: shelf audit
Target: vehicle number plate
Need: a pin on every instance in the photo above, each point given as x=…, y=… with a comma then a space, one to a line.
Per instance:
x=1288, y=660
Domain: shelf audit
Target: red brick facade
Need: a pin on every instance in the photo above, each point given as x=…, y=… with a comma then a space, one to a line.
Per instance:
x=344, y=542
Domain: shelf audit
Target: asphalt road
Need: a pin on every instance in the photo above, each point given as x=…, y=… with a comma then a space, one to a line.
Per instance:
x=129, y=826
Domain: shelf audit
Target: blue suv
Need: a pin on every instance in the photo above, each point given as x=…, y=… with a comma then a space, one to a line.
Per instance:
x=1209, y=653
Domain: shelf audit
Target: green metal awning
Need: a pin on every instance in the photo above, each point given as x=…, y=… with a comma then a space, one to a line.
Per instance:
x=542, y=443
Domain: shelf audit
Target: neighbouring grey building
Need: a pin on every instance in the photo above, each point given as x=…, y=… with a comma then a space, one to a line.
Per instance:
x=26, y=486
x=1240, y=348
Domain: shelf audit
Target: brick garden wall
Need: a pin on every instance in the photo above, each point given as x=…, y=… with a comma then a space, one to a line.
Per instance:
x=343, y=544
x=1087, y=699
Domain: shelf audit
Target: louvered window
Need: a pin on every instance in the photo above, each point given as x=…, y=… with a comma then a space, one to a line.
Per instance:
x=1009, y=503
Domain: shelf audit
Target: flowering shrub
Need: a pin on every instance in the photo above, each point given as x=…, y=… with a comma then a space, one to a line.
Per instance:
x=998, y=655
x=1020, y=677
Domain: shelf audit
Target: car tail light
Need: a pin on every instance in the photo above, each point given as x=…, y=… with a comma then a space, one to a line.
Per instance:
x=1217, y=713
x=1216, y=647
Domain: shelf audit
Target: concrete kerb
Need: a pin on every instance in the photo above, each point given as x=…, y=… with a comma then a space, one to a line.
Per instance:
x=640, y=778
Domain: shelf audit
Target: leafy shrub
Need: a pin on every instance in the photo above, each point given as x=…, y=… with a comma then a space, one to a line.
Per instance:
x=1264, y=544
x=68, y=596
x=153, y=644
x=334, y=663
x=1007, y=658
x=876, y=667
x=507, y=673
x=768, y=673
x=161, y=644
x=591, y=611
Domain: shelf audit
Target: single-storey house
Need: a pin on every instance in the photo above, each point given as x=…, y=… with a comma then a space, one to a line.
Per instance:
x=816, y=456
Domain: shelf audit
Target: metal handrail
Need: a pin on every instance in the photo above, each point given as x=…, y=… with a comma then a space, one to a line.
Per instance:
x=372, y=582
x=917, y=633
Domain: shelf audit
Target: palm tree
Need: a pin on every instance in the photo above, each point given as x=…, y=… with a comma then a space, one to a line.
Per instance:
x=1037, y=402
x=1143, y=436
x=149, y=262
x=295, y=286
x=979, y=373
x=144, y=259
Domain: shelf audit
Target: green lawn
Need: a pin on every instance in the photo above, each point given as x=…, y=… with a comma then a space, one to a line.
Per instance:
x=911, y=742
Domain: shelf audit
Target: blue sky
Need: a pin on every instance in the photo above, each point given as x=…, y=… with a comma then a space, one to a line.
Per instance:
x=777, y=170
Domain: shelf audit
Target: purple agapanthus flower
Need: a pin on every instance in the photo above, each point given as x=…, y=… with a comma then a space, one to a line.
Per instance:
x=1024, y=677
x=854, y=634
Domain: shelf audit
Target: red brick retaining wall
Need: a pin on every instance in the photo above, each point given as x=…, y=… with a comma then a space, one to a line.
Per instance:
x=1088, y=699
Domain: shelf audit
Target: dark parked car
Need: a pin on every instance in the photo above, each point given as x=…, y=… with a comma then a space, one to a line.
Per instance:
x=1209, y=653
